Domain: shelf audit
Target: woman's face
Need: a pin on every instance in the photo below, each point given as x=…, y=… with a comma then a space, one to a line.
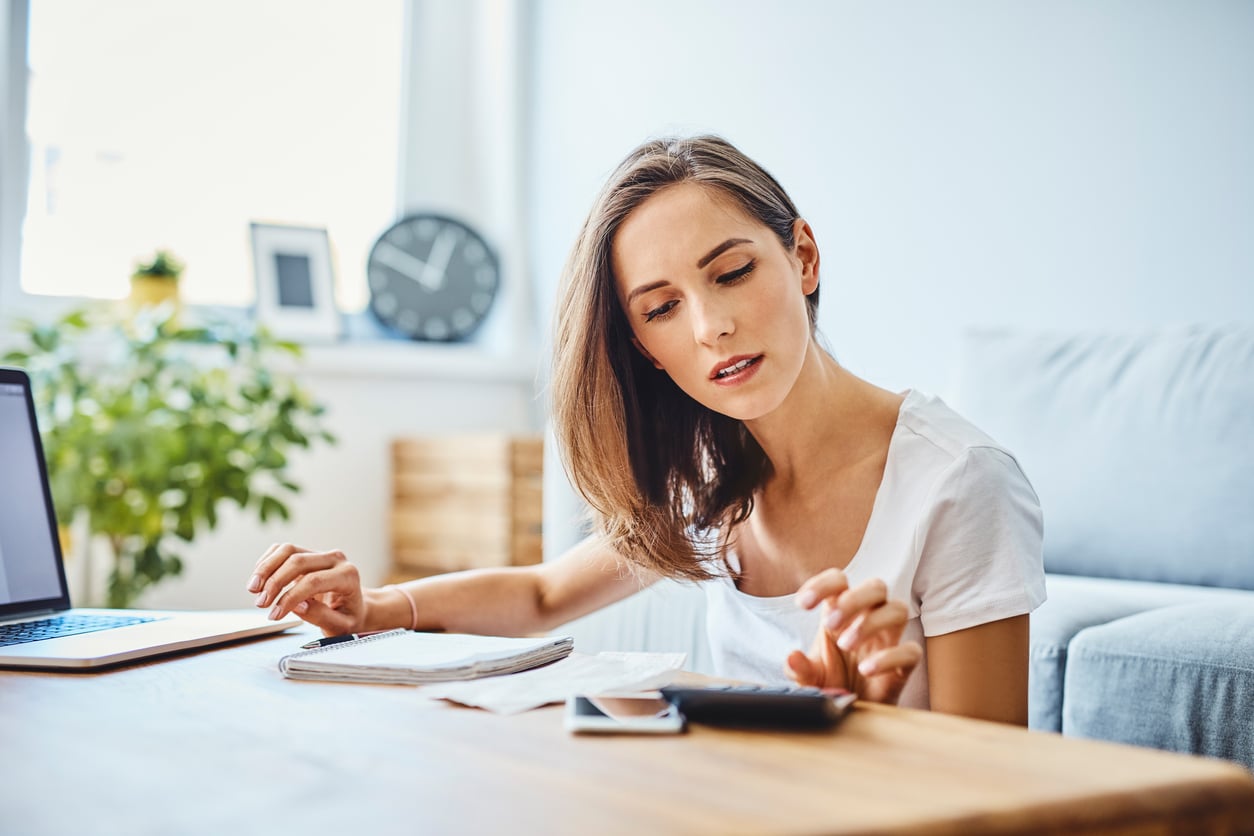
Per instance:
x=714, y=299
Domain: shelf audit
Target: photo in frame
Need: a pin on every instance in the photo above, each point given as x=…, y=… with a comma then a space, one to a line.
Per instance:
x=295, y=283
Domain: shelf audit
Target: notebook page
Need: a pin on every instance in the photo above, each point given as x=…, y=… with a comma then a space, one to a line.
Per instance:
x=406, y=650
x=433, y=650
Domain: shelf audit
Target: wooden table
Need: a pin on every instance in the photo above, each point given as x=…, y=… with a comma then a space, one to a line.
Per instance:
x=218, y=743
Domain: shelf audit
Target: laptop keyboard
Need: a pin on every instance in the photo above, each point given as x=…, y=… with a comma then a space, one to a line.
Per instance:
x=64, y=625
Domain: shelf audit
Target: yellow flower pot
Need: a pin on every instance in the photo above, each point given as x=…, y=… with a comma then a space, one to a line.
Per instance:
x=148, y=291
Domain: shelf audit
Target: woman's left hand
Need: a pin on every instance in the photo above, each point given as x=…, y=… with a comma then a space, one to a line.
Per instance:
x=858, y=646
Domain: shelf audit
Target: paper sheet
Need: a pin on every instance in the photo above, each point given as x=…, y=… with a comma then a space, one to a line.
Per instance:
x=578, y=673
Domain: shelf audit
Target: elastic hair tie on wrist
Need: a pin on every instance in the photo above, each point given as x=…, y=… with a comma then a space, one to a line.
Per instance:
x=413, y=608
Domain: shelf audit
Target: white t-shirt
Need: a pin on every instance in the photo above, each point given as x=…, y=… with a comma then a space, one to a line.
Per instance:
x=955, y=531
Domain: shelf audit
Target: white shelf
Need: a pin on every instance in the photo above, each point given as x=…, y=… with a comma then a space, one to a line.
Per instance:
x=427, y=361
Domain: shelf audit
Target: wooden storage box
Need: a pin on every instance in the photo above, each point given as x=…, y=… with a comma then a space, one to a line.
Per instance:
x=465, y=502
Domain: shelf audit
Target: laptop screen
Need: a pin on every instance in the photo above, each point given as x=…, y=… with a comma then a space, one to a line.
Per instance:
x=30, y=571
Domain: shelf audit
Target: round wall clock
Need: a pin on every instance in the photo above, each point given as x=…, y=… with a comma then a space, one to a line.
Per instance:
x=432, y=278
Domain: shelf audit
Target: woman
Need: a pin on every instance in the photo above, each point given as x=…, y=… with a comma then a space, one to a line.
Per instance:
x=717, y=442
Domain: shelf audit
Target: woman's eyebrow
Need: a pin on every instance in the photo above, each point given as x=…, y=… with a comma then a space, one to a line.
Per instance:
x=645, y=288
x=720, y=249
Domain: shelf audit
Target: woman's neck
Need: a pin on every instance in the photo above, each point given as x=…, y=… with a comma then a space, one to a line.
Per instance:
x=830, y=421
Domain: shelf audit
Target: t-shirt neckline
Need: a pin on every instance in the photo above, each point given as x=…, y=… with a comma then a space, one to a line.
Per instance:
x=768, y=602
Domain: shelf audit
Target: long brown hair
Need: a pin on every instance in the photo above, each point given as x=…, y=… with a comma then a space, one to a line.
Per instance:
x=658, y=469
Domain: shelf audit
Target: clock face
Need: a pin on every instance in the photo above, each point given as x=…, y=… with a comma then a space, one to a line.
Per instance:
x=431, y=278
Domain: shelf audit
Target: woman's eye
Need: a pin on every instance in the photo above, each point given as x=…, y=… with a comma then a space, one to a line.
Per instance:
x=736, y=275
x=661, y=311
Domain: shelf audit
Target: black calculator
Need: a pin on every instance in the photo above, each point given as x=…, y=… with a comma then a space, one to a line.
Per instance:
x=760, y=706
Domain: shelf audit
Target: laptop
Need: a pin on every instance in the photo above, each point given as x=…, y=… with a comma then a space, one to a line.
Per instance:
x=38, y=627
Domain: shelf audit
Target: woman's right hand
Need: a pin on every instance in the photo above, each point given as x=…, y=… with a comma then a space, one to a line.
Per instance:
x=323, y=588
x=859, y=644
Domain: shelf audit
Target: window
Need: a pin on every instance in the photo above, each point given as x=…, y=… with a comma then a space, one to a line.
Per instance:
x=157, y=124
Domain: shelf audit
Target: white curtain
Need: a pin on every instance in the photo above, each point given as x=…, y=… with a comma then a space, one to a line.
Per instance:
x=461, y=140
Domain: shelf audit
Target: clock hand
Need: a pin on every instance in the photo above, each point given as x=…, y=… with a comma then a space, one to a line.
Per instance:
x=411, y=267
x=438, y=258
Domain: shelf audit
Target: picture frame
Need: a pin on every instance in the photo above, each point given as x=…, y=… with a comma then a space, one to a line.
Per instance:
x=294, y=282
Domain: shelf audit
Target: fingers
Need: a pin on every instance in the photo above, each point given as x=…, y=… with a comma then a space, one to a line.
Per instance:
x=340, y=579
x=271, y=559
x=826, y=584
x=823, y=667
x=255, y=582
x=801, y=670
x=885, y=674
x=283, y=564
x=846, y=606
x=322, y=588
x=853, y=603
x=857, y=643
x=898, y=660
x=882, y=624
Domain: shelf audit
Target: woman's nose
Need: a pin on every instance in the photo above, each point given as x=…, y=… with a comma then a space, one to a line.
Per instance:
x=711, y=321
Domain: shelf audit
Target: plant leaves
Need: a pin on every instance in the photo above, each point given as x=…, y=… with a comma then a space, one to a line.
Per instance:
x=148, y=426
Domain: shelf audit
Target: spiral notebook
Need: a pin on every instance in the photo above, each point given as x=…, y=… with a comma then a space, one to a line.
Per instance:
x=406, y=657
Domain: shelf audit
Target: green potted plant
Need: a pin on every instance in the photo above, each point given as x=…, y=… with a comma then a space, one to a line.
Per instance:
x=149, y=427
x=156, y=280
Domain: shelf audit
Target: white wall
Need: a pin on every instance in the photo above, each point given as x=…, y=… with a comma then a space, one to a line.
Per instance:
x=1027, y=164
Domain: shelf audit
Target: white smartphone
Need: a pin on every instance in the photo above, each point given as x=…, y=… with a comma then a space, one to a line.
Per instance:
x=613, y=714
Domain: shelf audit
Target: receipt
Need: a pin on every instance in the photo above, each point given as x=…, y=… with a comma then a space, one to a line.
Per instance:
x=578, y=673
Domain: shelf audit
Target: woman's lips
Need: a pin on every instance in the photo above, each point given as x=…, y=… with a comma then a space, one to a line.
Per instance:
x=736, y=370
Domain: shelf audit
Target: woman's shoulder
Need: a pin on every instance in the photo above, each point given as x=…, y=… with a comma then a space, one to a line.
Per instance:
x=934, y=421
x=935, y=438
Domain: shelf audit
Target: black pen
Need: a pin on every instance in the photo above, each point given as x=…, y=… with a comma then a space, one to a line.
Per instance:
x=330, y=640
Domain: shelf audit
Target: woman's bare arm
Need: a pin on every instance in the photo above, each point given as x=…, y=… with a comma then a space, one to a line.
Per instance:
x=511, y=601
x=981, y=672
x=324, y=588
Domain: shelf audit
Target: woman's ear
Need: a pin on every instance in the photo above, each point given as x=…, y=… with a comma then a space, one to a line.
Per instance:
x=640, y=347
x=806, y=251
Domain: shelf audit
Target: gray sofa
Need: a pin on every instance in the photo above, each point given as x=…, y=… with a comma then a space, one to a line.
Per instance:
x=1141, y=448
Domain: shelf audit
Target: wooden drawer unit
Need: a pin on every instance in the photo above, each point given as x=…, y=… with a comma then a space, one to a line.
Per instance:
x=465, y=502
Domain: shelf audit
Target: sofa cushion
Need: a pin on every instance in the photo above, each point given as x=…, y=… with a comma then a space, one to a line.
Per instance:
x=1076, y=603
x=1140, y=447
x=1178, y=678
